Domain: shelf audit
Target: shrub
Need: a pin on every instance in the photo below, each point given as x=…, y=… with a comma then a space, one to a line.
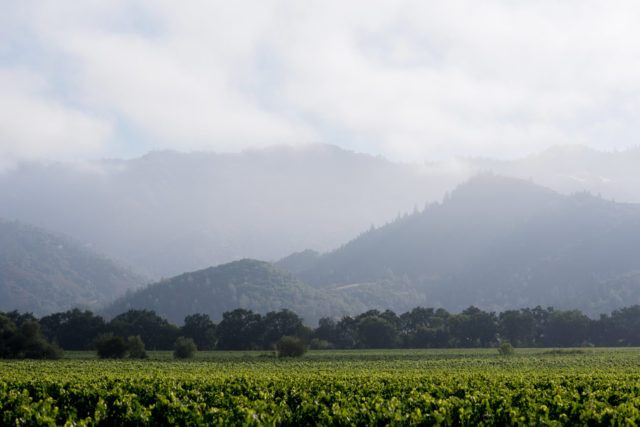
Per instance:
x=24, y=342
x=111, y=347
x=136, y=347
x=505, y=349
x=291, y=347
x=184, y=348
x=40, y=349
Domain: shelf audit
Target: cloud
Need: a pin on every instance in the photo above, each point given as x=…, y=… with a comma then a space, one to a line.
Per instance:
x=453, y=77
x=35, y=127
x=411, y=80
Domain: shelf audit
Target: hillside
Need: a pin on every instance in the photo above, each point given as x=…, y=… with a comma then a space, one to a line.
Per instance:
x=168, y=212
x=249, y=284
x=43, y=273
x=498, y=243
x=574, y=168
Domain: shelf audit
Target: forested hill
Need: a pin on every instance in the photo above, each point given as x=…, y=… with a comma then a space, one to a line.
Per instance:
x=167, y=212
x=248, y=284
x=497, y=243
x=43, y=273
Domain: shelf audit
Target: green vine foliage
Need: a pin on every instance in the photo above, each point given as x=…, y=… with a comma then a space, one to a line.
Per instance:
x=427, y=387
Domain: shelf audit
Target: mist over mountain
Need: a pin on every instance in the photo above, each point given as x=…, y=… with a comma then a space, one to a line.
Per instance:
x=573, y=168
x=494, y=242
x=167, y=212
x=43, y=273
x=497, y=243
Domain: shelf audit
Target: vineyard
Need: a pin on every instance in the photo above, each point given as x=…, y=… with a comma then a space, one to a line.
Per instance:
x=466, y=387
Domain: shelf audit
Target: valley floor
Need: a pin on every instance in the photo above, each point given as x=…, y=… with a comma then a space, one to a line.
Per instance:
x=454, y=386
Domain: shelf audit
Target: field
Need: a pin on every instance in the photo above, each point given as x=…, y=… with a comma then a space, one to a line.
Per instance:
x=467, y=387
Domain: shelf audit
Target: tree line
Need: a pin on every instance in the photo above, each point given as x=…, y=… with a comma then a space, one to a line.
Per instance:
x=243, y=329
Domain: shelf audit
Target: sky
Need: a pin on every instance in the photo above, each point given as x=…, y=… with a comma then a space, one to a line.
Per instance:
x=408, y=80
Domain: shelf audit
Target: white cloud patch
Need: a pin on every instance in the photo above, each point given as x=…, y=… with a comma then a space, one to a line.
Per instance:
x=33, y=126
x=412, y=80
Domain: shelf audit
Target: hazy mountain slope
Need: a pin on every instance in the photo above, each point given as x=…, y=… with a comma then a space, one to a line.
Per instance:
x=497, y=243
x=43, y=273
x=574, y=168
x=299, y=261
x=167, y=213
x=249, y=284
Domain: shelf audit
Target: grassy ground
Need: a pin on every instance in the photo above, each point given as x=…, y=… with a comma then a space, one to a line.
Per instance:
x=383, y=354
x=532, y=360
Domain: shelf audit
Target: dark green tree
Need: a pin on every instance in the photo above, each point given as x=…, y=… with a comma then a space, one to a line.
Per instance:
x=19, y=318
x=347, y=336
x=327, y=330
x=567, y=329
x=201, y=330
x=391, y=317
x=24, y=341
x=8, y=331
x=624, y=324
x=240, y=329
x=376, y=332
x=278, y=324
x=156, y=332
x=73, y=329
x=419, y=316
x=541, y=317
x=425, y=337
x=472, y=328
x=111, y=347
x=518, y=327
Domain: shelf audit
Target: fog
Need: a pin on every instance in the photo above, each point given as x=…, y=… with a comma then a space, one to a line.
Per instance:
x=408, y=80
x=614, y=175
x=172, y=138
x=170, y=212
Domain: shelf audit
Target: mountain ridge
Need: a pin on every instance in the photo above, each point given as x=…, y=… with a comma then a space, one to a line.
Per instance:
x=496, y=243
x=168, y=212
x=248, y=284
x=42, y=273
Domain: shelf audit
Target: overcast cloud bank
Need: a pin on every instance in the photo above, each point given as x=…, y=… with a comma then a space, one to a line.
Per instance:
x=409, y=80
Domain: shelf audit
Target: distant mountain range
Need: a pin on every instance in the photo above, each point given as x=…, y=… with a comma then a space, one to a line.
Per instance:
x=496, y=243
x=168, y=212
x=249, y=284
x=573, y=168
x=253, y=285
x=44, y=273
